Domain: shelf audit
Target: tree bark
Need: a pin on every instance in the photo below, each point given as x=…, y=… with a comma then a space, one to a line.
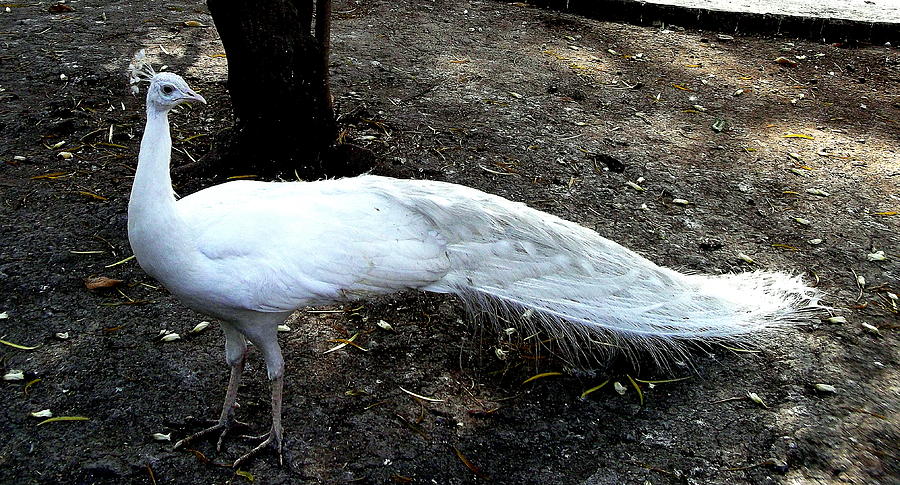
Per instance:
x=278, y=81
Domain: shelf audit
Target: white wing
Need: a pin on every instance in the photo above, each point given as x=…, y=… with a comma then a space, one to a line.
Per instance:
x=278, y=246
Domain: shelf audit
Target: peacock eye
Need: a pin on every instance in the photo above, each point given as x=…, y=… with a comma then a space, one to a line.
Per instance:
x=167, y=89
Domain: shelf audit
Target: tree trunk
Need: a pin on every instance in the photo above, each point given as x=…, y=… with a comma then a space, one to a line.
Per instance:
x=278, y=81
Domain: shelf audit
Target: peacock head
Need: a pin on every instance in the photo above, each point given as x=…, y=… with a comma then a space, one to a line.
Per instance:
x=166, y=90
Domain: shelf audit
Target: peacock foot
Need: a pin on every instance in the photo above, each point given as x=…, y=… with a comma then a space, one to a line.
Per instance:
x=272, y=440
x=222, y=427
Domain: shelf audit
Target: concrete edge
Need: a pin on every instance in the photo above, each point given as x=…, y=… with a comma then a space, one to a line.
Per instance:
x=830, y=30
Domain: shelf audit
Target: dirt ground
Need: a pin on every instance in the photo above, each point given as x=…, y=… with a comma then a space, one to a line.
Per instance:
x=543, y=107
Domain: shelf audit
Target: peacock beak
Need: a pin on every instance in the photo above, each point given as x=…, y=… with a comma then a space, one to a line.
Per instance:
x=192, y=97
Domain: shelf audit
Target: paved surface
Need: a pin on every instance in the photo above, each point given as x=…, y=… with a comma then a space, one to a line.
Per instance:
x=857, y=10
x=838, y=21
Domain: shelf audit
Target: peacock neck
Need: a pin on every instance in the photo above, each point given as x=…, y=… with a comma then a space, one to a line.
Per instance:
x=151, y=194
x=159, y=237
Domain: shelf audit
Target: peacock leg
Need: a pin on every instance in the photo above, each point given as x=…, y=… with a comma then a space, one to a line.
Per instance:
x=265, y=338
x=236, y=356
x=274, y=437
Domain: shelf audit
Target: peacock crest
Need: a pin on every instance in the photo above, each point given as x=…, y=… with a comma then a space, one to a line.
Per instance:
x=139, y=70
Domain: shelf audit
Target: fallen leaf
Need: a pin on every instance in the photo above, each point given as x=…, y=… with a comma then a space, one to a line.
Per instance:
x=247, y=475
x=95, y=282
x=170, y=337
x=634, y=186
x=63, y=418
x=60, y=8
x=424, y=398
x=14, y=375
x=871, y=328
x=17, y=346
x=540, y=376
x=758, y=400
x=474, y=469
x=786, y=62
x=595, y=388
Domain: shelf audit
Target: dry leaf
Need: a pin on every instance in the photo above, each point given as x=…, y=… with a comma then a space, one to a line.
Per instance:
x=14, y=375
x=170, y=337
x=94, y=282
x=787, y=62
x=60, y=8
x=871, y=328
x=755, y=398
x=744, y=257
